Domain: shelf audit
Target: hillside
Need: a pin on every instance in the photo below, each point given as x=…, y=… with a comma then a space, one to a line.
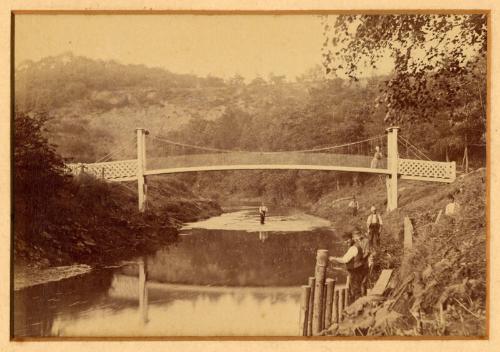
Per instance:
x=102, y=102
x=439, y=287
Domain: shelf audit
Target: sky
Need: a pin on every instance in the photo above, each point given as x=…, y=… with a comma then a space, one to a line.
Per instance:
x=218, y=45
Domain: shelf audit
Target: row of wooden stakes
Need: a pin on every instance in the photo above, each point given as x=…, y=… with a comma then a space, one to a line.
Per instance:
x=322, y=303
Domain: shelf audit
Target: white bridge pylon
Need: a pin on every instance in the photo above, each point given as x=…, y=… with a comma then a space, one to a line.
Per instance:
x=394, y=167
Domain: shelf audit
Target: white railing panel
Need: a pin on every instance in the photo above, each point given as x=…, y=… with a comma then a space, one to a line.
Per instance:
x=424, y=168
x=107, y=170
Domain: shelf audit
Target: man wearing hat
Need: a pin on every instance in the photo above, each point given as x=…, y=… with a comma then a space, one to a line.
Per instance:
x=262, y=213
x=354, y=262
x=354, y=206
x=359, y=237
x=374, y=225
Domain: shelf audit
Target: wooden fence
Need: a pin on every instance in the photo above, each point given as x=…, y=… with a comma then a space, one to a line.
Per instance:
x=322, y=300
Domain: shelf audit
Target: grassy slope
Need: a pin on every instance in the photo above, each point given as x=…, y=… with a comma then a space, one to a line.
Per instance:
x=439, y=288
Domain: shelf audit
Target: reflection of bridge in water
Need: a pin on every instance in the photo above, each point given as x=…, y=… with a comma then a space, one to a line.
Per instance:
x=350, y=157
x=139, y=289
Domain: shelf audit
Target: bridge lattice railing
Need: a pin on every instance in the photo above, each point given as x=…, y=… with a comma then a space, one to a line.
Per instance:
x=127, y=169
x=355, y=157
x=427, y=170
x=122, y=170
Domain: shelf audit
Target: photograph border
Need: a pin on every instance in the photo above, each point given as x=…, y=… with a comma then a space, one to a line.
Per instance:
x=488, y=12
x=250, y=12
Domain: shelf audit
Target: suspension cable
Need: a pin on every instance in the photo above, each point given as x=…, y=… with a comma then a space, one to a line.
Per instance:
x=418, y=150
x=408, y=152
x=162, y=139
x=243, y=151
x=337, y=146
x=107, y=156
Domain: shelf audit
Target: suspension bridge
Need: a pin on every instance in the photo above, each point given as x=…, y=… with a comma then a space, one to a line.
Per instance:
x=169, y=157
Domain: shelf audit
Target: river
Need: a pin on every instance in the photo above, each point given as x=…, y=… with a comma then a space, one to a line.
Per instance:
x=225, y=276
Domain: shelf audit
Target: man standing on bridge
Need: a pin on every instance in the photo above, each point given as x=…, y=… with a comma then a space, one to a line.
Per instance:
x=376, y=158
x=262, y=213
x=354, y=262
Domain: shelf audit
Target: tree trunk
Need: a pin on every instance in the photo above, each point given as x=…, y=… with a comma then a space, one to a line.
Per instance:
x=465, y=160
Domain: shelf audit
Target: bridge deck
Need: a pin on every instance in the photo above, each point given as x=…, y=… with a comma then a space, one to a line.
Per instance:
x=260, y=161
x=126, y=170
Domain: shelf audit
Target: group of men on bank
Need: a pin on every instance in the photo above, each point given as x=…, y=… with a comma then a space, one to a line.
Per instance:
x=361, y=249
x=358, y=258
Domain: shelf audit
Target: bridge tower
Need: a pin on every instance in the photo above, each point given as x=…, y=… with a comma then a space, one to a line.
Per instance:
x=141, y=167
x=392, y=165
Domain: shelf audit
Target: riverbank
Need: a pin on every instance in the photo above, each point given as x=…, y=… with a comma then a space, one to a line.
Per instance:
x=439, y=287
x=94, y=223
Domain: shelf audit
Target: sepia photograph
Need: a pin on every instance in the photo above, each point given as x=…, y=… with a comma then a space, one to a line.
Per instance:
x=310, y=175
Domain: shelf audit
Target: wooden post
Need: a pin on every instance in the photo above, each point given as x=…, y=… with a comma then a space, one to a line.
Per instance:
x=144, y=160
x=346, y=300
x=143, y=292
x=311, y=283
x=392, y=165
x=319, y=273
x=408, y=234
x=304, y=309
x=466, y=156
x=341, y=304
x=141, y=165
x=347, y=296
x=335, y=309
x=438, y=216
x=330, y=287
x=463, y=162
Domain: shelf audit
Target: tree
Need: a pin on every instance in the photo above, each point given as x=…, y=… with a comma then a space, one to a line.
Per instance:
x=237, y=80
x=313, y=74
x=437, y=60
x=228, y=129
x=39, y=172
x=276, y=79
x=211, y=81
x=258, y=82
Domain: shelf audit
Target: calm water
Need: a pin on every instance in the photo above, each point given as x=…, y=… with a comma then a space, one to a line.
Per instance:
x=228, y=275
